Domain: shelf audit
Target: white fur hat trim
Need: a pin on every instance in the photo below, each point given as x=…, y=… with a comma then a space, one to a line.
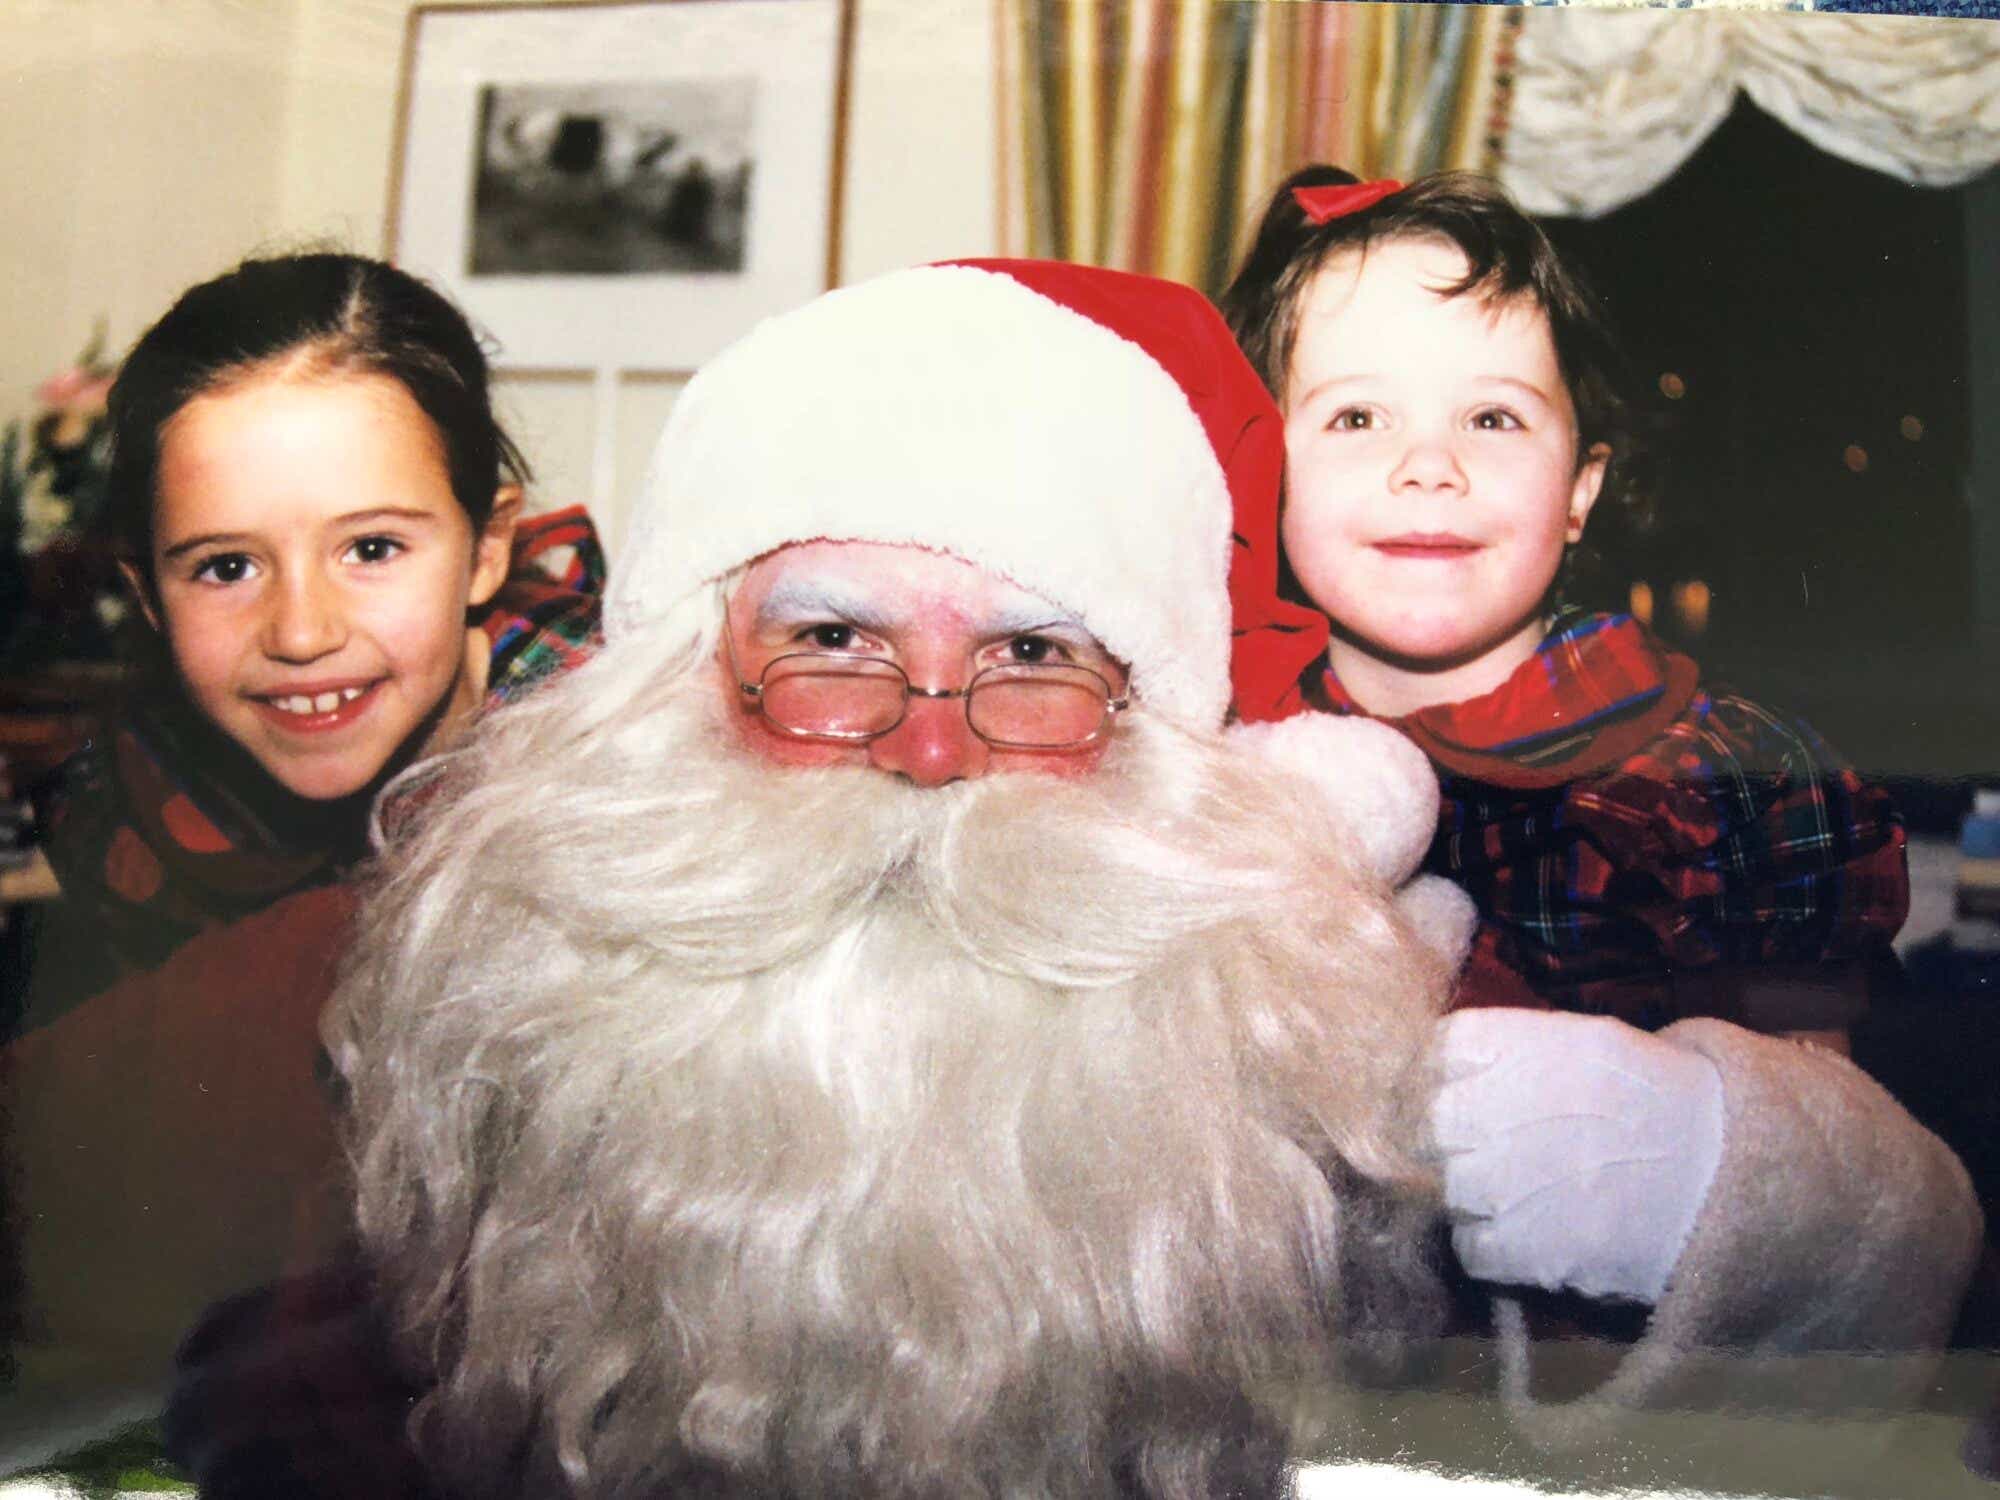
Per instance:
x=952, y=408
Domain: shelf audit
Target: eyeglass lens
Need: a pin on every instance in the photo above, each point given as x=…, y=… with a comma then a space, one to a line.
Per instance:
x=1030, y=706
x=833, y=695
x=1036, y=705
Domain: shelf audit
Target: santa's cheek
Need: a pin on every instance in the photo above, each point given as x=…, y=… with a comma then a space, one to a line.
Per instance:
x=1064, y=763
x=755, y=734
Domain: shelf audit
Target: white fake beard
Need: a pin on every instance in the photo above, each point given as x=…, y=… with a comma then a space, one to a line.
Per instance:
x=730, y=1130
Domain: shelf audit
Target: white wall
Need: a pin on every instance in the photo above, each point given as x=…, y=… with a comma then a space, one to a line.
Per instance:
x=139, y=152
x=151, y=143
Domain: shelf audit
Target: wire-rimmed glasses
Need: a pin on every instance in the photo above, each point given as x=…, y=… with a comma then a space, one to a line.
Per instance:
x=821, y=695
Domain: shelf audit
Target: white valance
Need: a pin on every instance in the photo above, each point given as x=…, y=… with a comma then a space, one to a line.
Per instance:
x=1608, y=104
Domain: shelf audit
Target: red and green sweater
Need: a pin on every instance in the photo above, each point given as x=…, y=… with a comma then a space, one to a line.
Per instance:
x=1642, y=846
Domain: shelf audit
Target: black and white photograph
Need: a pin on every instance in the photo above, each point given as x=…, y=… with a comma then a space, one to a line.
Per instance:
x=621, y=186
x=613, y=179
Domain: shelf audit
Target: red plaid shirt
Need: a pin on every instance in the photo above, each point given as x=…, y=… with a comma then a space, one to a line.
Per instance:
x=1639, y=847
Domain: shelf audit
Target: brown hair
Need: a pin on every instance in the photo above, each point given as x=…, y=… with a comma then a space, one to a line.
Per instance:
x=1506, y=254
x=347, y=313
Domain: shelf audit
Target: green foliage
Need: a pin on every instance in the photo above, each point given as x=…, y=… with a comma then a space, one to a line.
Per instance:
x=129, y=1461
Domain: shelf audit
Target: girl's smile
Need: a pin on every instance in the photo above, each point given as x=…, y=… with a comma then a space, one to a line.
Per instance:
x=312, y=709
x=312, y=572
x=1434, y=546
x=1432, y=474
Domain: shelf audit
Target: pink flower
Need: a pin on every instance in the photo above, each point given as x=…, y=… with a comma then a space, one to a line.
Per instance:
x=79, y=389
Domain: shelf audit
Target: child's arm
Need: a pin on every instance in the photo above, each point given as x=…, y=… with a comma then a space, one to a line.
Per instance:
x=1733, y=867
x=1791, y=908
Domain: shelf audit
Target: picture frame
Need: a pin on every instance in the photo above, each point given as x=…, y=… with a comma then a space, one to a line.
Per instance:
x=621, y=186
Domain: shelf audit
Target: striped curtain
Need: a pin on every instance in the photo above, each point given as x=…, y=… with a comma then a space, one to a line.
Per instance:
x=1147, y=134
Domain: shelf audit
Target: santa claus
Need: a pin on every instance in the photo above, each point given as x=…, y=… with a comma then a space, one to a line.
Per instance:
x=873, y=1031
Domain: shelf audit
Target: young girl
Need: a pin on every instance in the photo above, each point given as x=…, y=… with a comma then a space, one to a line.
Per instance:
x=1636, y=843
x=320, y=517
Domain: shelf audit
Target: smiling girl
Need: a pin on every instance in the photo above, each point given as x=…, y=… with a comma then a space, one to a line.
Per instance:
x=1636, y=842
x=320, y=519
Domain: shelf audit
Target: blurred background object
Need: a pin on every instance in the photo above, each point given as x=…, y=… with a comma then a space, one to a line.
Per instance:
x=60, y=599
x=1977, y=897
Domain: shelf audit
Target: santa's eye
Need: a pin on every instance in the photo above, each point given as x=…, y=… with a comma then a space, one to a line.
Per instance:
x=829, y=637
x=1034, y=650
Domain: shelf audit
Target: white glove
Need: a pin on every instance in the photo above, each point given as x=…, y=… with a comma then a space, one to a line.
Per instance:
x=1576, y=1150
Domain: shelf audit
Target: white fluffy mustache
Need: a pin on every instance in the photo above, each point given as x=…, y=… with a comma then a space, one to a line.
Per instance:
x=806, y=1132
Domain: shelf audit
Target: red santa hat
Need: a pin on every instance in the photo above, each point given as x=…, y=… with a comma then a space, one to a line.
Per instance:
x=1093, y=436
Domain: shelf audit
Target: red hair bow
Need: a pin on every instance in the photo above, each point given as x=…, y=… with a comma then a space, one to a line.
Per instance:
x=1339, y=199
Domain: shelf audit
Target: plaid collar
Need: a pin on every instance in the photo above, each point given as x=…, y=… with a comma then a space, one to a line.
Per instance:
x=544, y=619
x=1596, y=689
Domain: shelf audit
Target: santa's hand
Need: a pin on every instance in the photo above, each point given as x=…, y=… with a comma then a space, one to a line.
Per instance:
x=1576, y=1150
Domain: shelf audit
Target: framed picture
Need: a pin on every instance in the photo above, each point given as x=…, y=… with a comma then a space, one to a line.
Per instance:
x=622, y=186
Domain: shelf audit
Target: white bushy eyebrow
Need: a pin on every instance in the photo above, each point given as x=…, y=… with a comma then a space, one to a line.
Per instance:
x=1034, y=619
x=800, y=601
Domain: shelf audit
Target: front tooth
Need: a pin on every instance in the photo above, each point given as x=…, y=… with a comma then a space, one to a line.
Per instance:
x=326, y=703
x=298, y=703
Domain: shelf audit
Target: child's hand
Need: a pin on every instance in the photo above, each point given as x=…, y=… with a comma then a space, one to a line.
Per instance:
x=1576, y=1150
